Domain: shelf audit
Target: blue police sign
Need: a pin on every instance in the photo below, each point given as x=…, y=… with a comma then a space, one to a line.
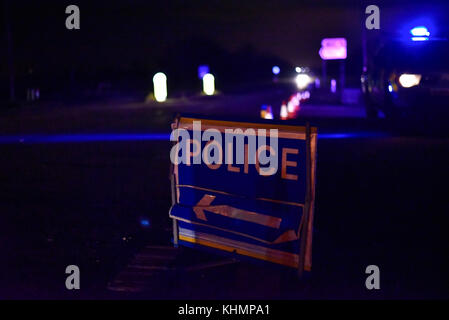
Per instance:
x=244, y=188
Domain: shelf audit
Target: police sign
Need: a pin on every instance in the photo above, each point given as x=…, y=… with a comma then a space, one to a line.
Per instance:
x=244, y=188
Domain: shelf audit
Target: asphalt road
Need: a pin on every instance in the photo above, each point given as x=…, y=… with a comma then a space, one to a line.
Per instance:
x=76, y=181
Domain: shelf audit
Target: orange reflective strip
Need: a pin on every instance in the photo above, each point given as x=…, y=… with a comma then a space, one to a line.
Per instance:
x=235, y=213
x=257, y=252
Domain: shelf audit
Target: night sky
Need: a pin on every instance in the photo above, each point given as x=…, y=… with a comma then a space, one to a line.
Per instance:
x=132, y=39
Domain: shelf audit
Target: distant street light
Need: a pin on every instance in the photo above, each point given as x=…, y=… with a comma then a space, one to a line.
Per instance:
x=160, y=87
x=208, y=84
x=302, y=80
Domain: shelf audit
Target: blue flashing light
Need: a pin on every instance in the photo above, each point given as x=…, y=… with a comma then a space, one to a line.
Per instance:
x=420, y=31
x=145, y=223
x=203, y=70
x=276, y=70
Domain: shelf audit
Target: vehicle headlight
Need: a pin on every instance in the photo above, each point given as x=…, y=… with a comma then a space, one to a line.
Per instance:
x=409, y=80
x=303, y=80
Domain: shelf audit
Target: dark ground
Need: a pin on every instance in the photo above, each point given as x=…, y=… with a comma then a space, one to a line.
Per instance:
x=382, y=198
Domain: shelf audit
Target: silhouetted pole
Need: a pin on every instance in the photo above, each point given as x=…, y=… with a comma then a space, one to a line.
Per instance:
x=364, y=41
x=324, y=73
x=10, y=57
x=342, y=75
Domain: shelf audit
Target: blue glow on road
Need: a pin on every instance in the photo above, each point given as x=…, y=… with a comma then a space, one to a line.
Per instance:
x=77, y=138
x=351, y=135
x=111, y=137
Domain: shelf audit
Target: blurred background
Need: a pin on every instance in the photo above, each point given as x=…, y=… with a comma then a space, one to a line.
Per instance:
x=121, y=45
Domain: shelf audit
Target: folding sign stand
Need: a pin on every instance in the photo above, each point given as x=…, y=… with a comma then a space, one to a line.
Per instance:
x=305, y=249
x=196, y=267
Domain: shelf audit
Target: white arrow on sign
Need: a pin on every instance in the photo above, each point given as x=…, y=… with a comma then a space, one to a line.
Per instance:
x=231, y=212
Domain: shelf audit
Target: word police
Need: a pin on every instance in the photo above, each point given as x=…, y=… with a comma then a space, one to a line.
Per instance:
x=257, y=152
x=228, y=309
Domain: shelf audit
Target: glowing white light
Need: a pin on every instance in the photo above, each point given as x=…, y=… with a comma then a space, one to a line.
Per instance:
x=409, y=80
x=208, y=84
x=276, y=70
x=160, y=87
x=420, y=38
x=390, y=88
x=420, y=32
x=298, y=69
x=302, y=80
